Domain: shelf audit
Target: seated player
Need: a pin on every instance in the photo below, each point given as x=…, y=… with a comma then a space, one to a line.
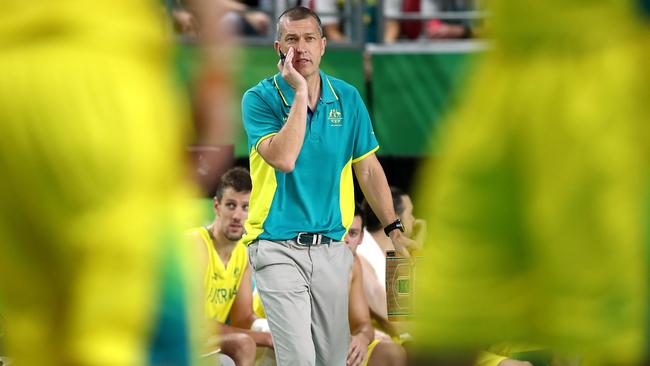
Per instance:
x=226, y=274
x=378, y=351
x=372, y=251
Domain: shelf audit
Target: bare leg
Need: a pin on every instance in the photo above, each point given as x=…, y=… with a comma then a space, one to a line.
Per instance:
x=387, y=353
x=240, y=347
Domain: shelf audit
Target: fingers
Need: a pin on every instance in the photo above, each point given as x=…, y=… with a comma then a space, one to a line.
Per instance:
x=288, y=61
x=404, y=252
x=286, y=66
x=355, y=357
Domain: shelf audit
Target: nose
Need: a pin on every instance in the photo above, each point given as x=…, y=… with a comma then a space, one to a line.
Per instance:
x=239, y=214
x=301, y=46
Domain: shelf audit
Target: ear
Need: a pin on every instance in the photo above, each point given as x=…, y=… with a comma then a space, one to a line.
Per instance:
x=276, y=46
x=216, y=205
x=323, y=45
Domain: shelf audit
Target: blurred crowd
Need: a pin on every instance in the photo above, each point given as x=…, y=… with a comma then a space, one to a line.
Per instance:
x=386, y=21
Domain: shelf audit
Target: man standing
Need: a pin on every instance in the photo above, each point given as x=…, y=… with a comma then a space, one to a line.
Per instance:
x=307, y=131
x=226, y=275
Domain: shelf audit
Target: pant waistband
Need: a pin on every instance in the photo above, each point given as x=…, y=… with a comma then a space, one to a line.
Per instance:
x=310, y=239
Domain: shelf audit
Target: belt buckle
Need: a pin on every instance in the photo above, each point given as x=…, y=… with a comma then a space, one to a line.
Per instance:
x=315, y=238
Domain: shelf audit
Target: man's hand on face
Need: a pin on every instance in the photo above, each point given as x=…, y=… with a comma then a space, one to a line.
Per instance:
x=290, y=74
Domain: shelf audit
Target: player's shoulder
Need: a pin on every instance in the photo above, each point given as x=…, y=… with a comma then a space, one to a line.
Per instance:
x=196, y=234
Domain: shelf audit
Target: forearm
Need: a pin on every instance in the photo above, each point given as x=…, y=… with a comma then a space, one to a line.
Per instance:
x=234, y=6
x=364, y=330
x=384, y=324
x=376, y=296
x=283, y=149
x=374, y=185
x=243, y=322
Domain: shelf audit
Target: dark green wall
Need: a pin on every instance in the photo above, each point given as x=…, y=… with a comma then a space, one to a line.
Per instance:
x=409, y=92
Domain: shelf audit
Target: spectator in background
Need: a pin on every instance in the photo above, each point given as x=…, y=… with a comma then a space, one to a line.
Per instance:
x=395, y=29
x=237, y=18
x=184, y=21
x=452, y=28
x=245, y=18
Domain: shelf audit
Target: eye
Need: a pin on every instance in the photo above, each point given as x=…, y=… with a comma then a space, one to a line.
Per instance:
x=245, y=207
x=230, y=205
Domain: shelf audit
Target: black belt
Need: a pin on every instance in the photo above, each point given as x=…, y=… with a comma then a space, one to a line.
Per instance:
x=309, y=239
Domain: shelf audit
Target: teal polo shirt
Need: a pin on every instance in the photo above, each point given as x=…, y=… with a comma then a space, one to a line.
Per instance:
x=318, y=195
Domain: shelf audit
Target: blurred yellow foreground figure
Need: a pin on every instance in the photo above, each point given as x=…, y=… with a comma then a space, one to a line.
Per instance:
x=538, y=199
x=90, y=155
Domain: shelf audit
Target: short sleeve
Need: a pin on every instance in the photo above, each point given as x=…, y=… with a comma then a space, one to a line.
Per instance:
x=259, y=119
x=365, y=142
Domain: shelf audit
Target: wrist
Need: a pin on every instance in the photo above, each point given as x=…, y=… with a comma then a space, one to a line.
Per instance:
x=301, y=93
x=395, y=234
x=395, y=226
x=363, y=338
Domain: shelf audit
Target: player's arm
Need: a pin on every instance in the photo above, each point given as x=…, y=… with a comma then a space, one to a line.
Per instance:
x=282, y=149
x=374, y=291
x=202, y=258
x=374, y=185
x=359, y=317
x=241, y=313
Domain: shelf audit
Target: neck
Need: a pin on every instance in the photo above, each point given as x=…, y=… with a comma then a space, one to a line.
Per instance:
x=219, y=241
x=382, y=240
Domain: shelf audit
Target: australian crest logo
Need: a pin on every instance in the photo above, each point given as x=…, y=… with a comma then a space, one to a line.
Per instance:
x=335, y=118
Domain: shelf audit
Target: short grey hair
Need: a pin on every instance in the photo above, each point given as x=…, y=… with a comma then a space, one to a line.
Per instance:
x=297, y=13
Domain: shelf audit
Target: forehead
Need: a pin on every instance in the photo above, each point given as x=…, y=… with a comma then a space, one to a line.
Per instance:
x=230, y=194
x=356, y=223
x=302, y=26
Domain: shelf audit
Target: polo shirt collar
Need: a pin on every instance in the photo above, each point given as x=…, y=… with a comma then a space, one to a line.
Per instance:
x=328, y=95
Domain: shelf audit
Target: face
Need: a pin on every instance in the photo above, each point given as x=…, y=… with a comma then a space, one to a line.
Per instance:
x=354, y=237
x=309, y=46
x=231, y=213
x=407, y=217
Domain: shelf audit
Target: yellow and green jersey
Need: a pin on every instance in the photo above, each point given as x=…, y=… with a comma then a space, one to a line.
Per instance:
x=92, y=191
x=536, y=203
x=221, y=282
